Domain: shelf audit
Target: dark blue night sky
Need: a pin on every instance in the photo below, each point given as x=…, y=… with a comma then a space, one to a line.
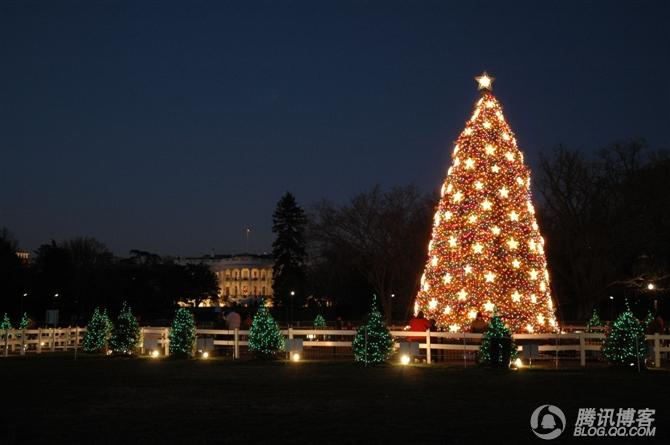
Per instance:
x=170, y=127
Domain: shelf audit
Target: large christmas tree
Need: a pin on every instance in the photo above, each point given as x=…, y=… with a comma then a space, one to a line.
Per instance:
x=486, y=251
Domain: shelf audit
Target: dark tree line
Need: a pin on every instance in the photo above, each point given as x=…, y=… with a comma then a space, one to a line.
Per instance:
x=288, y=251
x=607, y=223
x=77, y=275
x=376, y=243
x=343, y=254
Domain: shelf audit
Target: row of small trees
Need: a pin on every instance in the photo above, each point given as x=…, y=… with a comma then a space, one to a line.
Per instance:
x=373, y=344
x=124, y=336
x=6, y=323
x=102, y=335
x=624, y=344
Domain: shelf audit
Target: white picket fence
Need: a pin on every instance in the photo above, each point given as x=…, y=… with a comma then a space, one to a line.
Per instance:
x=550, y=346
x=41, y=340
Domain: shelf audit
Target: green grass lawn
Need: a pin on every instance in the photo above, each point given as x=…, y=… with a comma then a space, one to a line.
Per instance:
x=54, y=399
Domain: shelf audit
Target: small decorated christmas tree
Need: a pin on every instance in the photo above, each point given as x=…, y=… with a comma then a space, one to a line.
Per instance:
x=126, y=332
x=97, y=333
x=182, y=334
x=25, y=321
x=319, y=322
x=625, y=343
x=6, y=324
x=23, y=324
x=373, y=343
x=648, y=319
x=594, y=321
x=497, y=346
x=265, y=338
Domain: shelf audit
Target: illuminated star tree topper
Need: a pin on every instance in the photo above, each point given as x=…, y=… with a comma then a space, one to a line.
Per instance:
x=486, y=253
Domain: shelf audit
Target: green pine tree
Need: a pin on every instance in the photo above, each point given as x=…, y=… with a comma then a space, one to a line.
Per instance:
x=373, y=343
x=25, y=320
x=6, y=324
x=319, y=322
x=110, y=325
x=182, y=334
x=648, y=319
x=497, y=348
x=288, y=251
x=23, y=324
x=265, y=338
x=126, y=333
x=97, y=333
x=625, y=342
x=594, y=321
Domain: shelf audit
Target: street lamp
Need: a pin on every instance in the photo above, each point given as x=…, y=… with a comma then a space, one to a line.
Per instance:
x=24, y=295
x=651, y=286
x=611, y=308
x=291, y=320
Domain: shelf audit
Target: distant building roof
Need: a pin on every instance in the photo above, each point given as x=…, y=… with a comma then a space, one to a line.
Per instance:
x=230, y=260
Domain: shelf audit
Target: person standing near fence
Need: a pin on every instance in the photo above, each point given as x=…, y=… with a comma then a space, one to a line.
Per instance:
x=478, y=325
x=419, y=324
x=655, y=327
x=233, y=320
x=248, y=321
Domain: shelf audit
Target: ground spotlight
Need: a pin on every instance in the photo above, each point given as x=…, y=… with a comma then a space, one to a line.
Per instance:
x=155, y=354
x=404, y=359
x=295, y=357
x=205, y=355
